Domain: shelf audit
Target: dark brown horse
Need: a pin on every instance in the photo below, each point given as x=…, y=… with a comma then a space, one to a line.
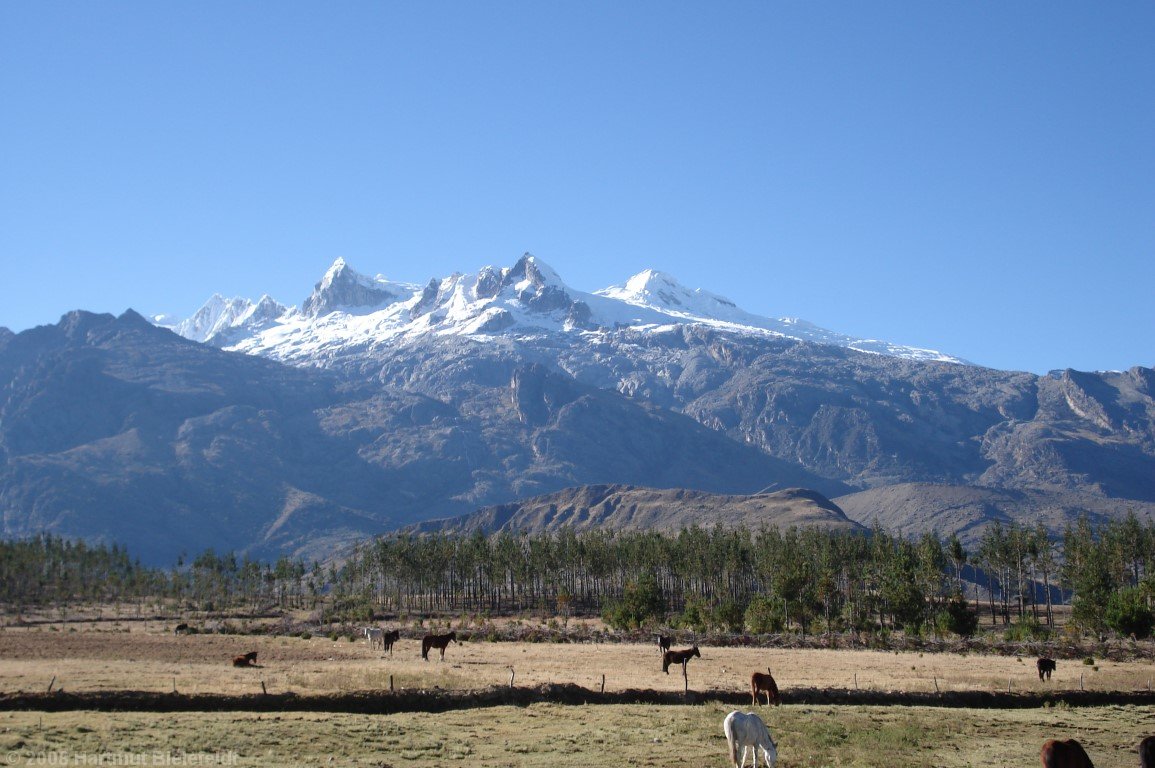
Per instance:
x=679, y=657
x=1046, y=667
x=388, y=638
x=664, y=642
x=764, y=683
x=248, y=660
x=1147, y=752
x=1064, y=754
x=437, y=641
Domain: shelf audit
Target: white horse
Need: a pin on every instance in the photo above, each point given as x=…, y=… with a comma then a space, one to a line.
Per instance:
x=748, y=730
x=376, y=636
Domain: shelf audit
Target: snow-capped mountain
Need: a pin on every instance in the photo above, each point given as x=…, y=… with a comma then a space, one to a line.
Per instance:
x=350, y=314
x=221, y=321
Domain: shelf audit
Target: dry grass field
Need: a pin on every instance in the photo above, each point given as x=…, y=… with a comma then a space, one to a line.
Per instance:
x=581, y=736
x=146, y=656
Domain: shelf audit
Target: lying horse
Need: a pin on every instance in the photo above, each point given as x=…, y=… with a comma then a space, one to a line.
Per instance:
x=1046, y=667
x=248, y=660
x=436, y=641
x=748, y=730
x=1064, y=754
x=181, y=629
x=679, y=657
x=764, y=683
x=388, y=638
x=1147, y=752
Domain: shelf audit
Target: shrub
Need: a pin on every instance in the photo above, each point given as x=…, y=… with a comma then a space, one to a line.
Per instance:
x=764, y=615
x=958, y=617
x=1127, y=613
x=728, y=616
x=695, y=615
x=642, y=604
x=1026, y=629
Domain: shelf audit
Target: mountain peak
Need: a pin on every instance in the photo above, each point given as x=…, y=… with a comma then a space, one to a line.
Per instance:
x=343, y=288
x=527, y=300
x=661, y=291
x=535, y=272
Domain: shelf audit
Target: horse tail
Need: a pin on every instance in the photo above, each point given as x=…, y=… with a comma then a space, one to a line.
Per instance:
x=425, y=648
x=732, y=740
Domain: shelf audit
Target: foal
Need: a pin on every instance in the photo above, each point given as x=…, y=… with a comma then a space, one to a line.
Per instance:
x=764, y=683
x=679, y=657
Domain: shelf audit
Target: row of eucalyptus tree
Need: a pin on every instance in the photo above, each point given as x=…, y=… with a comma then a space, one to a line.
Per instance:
x=797, y=577
x=50, y=571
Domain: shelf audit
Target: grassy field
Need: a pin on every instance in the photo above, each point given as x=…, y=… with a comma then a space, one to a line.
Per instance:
x=147, y=656
x=580, y=736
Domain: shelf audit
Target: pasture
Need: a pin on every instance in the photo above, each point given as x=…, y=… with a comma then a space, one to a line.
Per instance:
x=144, y=656
x=581, y=736
x=148, y=656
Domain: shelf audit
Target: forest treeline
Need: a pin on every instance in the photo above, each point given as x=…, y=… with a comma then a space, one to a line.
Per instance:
x=738, y=580
x=50, y=571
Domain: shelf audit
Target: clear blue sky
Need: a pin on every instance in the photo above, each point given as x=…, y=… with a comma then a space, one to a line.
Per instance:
x=972, y=177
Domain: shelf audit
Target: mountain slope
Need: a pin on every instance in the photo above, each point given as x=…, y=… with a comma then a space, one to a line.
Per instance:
x=811, y=399
x=625, y=508
x=912, y=509
x=113, y=429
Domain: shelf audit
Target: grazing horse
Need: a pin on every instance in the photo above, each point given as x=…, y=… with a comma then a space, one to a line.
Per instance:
x=248, y=660
x=388, y=638
x=374, y=635
x=748, y=730
x=440, y=642
x=764, y=683
x=679, y=657
x=1046, y=667
x=1147, y=752
x=664, y=642
x=1064, y=754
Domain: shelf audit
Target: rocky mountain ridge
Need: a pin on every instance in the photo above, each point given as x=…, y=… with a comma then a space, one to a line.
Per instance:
x=379, y=405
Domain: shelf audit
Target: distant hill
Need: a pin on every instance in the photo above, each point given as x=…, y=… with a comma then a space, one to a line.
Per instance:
x=912, y=509
x=626, y=508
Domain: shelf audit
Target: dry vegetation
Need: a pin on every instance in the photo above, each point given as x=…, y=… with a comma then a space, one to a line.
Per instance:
x=147, y=656
x=143, y=656
x=588, y=737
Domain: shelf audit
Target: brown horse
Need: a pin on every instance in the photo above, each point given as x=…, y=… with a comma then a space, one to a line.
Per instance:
x=248, y=660
x=679, y=657
x=764, y=683
x=1064, y=754
x=1147, y=752
x=387, y=640
x=664, y=642
x=436, y=641
x=1045, y=666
